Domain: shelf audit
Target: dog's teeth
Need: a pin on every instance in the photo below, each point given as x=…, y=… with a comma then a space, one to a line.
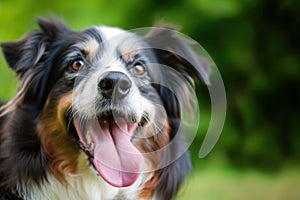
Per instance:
x=89, y=140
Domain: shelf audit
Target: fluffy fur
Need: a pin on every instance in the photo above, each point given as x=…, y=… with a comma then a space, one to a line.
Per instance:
x=71, y=81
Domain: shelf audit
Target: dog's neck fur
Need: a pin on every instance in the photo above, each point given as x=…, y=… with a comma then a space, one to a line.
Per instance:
x=85, y=184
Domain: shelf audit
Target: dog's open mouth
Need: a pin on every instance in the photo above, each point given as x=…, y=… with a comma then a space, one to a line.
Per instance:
x=107, y=141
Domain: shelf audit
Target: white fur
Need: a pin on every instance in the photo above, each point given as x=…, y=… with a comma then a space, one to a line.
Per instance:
x=85, y=184
x=86, y=95
x=110, y=32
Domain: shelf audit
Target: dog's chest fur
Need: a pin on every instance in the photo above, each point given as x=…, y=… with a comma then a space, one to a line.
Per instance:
x=85, y=184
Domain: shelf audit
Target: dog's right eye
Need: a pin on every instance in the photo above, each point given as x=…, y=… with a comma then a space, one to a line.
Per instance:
x=77, y=64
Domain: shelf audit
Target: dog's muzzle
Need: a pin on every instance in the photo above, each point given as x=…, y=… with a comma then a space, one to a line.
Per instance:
x=107, y=137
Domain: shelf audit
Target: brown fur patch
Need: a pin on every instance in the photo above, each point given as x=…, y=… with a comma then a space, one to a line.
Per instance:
x=128, y=51
x=90, y=47
x=58, y=144
x=152, y=145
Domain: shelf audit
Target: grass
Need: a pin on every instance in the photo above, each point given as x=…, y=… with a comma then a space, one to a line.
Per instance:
x=225, y=183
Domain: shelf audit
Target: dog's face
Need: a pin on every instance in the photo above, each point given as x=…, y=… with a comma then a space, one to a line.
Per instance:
x=113, y=100
x=105, y=93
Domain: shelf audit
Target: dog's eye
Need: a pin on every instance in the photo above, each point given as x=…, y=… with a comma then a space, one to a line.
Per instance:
x=138, y=69
x=77, y=64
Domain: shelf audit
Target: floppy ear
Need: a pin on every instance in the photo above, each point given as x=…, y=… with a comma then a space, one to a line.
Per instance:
x=27, y=52
x=175, y=51
x=179, y=65
x=32, y=59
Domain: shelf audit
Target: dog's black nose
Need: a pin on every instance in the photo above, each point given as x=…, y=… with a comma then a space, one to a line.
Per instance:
x=114, y=85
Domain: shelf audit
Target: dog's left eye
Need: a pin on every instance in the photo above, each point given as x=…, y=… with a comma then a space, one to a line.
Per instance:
x=77, y=64
x=138, y=69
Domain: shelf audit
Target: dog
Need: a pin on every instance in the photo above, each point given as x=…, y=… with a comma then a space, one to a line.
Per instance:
x=97, y=114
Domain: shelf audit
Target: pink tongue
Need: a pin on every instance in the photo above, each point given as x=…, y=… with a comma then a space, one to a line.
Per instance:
x=115, y=158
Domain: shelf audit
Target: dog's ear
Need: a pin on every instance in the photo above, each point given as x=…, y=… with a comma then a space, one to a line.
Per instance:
x=175, y=51
x=180, y=64
x=24, y=53
x=27, y=52
x=53, y=28
x=32, y=59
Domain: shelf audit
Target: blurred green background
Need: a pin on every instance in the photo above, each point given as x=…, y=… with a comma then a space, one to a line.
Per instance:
x=256, y=46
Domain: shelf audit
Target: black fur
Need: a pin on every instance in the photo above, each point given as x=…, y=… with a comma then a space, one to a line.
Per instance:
x=22, y=156
x=39, y=62
x=182, y=59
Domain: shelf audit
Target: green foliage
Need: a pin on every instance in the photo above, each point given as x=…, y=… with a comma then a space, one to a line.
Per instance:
x=255, y=45
x=227, y=183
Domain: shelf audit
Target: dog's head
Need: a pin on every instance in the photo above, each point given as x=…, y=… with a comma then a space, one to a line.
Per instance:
x=113, y=95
